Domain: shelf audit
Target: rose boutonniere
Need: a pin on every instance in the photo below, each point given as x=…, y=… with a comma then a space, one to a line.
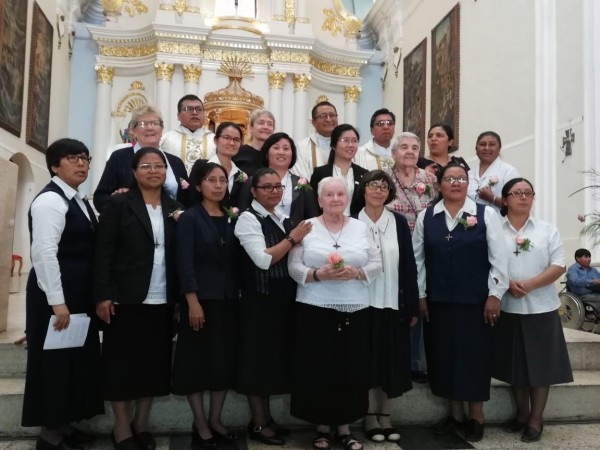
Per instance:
x=469, y=222
x=242, y=177
x=336, y=260
x=423, y=188
x=175, y=214
x=304, y=185
x=493, y=181
x=184, y=184
x=523, y=243
x=232, y=213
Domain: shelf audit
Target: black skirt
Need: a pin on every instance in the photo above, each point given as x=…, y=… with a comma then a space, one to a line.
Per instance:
x=390, y=352
x=266, y=332
x=136, y=352
x=331, y=365
x=205, y=359
x=530, y=350
x=458, y=346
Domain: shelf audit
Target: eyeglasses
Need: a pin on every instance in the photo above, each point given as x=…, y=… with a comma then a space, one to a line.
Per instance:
x=522, y=193
x=349, y=140
x=214, y=180
x=382, y=123
x=74, y=159
x=325, y=116
x=271, y=187
x=148, y=167
x=190, y=109
x=373, y=186
x=459, y=180
x=231, y=139
x=149, y=123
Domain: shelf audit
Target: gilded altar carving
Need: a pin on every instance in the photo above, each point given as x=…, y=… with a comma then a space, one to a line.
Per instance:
x=191, y=73
x=114, y=7
x=164, y=71
x=334, y=69
x=351, y=94
x=301, y=82
x=332, y=22
x=338, y=20
x=276, y=80
x=287, y=56
x=104, y=74
x=220, y=55
x=128, y=51
x=179, y=48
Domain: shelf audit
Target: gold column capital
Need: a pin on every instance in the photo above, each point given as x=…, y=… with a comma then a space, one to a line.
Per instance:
x=164, y=71
x=104, y=74
x=191, y=73
x=301, y=82
x=276, y=80
x=351, y=94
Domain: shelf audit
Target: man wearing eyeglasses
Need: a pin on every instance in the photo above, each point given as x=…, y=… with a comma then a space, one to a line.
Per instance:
x=377, y=152
x=313, y=151
x=191, y=140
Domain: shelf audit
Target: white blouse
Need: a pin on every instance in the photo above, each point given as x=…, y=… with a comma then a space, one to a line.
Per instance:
x=383, y=291
x=546, y=249
x=357, y=249
x=157, y=291
x=498, y=168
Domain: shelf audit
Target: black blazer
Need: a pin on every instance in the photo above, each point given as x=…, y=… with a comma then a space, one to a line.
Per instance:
x=205, y=264
x=304, y=201
x=356, y=202
x=118, y=174
x=125, y=249
x=408, y=290
x=231, y=197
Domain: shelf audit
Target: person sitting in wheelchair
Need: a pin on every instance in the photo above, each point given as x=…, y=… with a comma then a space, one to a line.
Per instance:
x=583, y=280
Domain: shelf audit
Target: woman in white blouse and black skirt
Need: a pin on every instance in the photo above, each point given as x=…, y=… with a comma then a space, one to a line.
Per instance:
x=530, y=352
x=333, y=268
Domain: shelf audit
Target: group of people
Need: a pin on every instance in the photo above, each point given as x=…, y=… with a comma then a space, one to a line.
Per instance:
x=314, y=270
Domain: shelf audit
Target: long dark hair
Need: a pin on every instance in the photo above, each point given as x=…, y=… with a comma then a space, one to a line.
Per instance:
x=336, y=134
x=449, y=132
x=201, y=173
x=270, y=142
x=508, y=186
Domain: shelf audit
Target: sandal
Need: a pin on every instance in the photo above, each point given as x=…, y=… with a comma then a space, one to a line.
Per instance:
x=324, y=439
x=391, y=434
x=349, y=442
x=374, y=434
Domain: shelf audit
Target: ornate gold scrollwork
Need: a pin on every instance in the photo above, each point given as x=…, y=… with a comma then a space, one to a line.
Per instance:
x=276, y=80
x=191, y=73
x=301, y=82
x=164, y=71
x=290, y=57
x=104, y=74
x=220, y=55
x=351, y=94
x=334, y=69
x=179, y=48
x=128, y=51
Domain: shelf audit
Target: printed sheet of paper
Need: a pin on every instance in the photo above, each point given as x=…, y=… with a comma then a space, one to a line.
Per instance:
x=73, y=336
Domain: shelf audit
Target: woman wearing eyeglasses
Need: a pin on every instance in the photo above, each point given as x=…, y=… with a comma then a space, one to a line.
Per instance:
x=530, y=352
x=268, y=295
x=228, y=138
x=147, y=127
x=393, y=305
x=135, y=286
x=462, y=264
x=344, y=145
x=61, y=386
x=262, y=125
x=489, y=174
x=205, y=355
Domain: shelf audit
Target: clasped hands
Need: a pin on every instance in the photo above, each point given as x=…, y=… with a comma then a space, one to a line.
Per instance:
x=330, y=272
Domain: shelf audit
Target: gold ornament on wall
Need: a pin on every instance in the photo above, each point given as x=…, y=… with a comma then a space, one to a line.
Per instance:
x=338, y=20
x=301, y=82
x=114, y=7
x=136, y=86
x=128, y=51
x=191, y=73
x=321, y=98
x=290, y=57
x=104, y=74
x=351, y=94
x=276, y=80
x=334, y=69
x=164, y=71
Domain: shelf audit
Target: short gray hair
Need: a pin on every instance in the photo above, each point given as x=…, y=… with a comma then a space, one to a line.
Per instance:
x=331, y=180
x=144, y=110
x=407, y=135
x=261, y=112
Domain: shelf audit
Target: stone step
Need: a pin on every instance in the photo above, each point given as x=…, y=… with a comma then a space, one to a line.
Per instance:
x=573, y=402
x=584, y=349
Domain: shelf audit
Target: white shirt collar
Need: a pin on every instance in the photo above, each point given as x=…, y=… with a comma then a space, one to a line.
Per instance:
x=469, y=207
x=260, y=209
x=198, y=133
x=321, y=141
x=68, y=190
x=530, y=222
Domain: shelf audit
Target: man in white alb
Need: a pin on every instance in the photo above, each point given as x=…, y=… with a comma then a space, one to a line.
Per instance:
x=191, y=140
x=377, y=152
x=313, y=151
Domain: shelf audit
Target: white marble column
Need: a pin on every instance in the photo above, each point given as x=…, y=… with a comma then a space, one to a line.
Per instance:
x=278, y=8
x=164, y=74
x=351, y=95
x=546, y=145
x=102, y=129
x=191, y=77
x=301, y=82
x=276, y=80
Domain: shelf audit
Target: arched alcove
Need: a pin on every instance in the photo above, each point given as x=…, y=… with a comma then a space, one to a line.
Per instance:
x=25, y=194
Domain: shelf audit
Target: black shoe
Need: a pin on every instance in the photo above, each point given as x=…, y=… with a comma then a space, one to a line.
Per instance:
x=449, y=425
x=531, y=434
x=42, y=444
x=144, y=439
x=473, y=430
x=126, y=444
x=278, y=429
x=419, y=376
x=513, y=426
x=375, y=435
x=256, y=435
x=227, y=436
x=197, y=441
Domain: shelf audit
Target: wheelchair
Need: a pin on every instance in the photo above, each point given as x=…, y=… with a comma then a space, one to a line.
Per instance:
x=576, y=313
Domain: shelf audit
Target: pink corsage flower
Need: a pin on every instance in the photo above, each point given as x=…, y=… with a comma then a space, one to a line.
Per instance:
x=422, y=188
x=242, y=177
x=336, y=260
x=493, y=181
x=303, y=184
x=469, y=222
x=184, y=184
x=232, y=213
x=523, y=244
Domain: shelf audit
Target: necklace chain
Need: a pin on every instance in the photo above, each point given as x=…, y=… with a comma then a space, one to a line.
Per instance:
x=335, y=245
